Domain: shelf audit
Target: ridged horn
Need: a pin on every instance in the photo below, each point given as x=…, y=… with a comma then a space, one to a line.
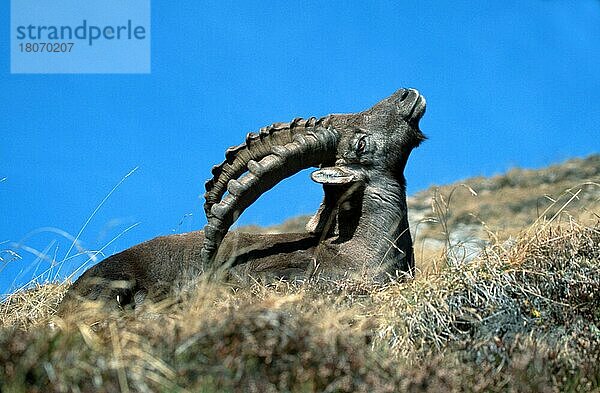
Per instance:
x=255, y=148
x=313, y=146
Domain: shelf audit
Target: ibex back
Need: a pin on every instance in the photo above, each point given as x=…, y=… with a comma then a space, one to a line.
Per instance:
x=361, y=226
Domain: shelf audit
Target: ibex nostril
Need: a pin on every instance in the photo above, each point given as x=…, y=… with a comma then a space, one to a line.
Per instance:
x=404, y=94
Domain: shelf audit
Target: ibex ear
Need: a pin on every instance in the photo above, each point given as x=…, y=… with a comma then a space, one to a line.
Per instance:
x=335, y=175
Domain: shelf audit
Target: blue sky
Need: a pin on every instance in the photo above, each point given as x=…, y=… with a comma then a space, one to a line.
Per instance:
x=508, y=83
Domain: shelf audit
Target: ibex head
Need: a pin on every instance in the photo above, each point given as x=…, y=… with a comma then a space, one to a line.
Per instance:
x=374, y=145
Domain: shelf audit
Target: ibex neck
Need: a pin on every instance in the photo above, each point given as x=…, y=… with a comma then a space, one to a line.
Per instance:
x=381, y=236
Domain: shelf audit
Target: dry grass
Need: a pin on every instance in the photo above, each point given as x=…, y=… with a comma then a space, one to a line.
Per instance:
x=524, y=315
x=521, y=317
x=31, y=307
x=510, y=202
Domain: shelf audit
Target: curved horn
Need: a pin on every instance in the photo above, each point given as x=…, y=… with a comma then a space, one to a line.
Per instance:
x=256, y=147
x=311, y=147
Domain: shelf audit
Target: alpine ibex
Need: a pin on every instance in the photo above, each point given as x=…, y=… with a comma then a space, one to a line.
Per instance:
x=361, y=225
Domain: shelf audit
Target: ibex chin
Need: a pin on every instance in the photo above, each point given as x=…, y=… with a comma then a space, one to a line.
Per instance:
x=360, y=227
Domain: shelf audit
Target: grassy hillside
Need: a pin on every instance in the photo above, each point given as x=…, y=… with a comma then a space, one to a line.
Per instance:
x=521, y=315
x=469, y=214
x=507, y=203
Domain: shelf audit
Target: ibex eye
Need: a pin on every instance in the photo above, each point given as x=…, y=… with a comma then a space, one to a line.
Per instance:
x=360, y=146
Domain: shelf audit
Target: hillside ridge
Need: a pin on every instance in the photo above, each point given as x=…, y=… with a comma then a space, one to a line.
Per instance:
x=506, y=202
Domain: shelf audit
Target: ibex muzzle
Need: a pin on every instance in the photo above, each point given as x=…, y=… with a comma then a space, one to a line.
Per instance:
x=361, y=226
